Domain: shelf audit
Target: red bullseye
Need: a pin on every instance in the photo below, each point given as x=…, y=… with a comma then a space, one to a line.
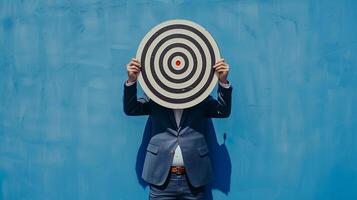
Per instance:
x=178, y=63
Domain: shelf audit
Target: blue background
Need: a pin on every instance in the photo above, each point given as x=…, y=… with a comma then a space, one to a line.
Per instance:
x=291, y=135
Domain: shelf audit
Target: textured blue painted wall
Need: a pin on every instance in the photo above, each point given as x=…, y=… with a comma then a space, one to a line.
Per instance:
x=63, y=133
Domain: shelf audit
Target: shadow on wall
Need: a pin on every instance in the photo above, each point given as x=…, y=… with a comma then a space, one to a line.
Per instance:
x=221, y=162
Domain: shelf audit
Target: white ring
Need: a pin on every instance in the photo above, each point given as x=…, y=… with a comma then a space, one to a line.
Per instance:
x=146, y=88
x=199, y=65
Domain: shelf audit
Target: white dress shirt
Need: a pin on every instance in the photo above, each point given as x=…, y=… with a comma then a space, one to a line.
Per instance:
x=178, y=159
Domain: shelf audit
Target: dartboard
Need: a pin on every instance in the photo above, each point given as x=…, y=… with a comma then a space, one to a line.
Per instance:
x=176, y=59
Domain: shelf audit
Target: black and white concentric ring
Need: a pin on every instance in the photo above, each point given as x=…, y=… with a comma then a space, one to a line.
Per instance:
x=177, y=58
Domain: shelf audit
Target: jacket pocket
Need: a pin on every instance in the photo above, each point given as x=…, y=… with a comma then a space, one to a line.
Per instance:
x=152, y=148
x=203, y=150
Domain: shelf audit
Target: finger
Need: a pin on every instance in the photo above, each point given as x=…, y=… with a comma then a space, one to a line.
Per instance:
x=135, y=60
x=220, y=60
x=134, y=70
x=221, y=67
x=134, y=67
x=218, y=68
x=218, y=64
x=222, y=70
x=134, y=64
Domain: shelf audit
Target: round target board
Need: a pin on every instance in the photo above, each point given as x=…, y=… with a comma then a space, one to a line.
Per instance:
x=176, y=60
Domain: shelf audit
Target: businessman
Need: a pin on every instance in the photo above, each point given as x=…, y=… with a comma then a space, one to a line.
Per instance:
x=177, y=163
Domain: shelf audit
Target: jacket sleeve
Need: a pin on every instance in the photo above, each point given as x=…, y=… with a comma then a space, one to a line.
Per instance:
x=132, y=104
x=220, y=107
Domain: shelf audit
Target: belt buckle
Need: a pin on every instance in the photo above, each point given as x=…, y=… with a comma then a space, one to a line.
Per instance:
x=177, y=170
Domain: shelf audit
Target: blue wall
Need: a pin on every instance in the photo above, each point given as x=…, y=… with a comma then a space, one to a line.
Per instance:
x=292, y=133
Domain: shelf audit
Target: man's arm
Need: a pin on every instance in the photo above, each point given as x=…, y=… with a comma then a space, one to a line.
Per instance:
x=220, y=107
x=132, y=104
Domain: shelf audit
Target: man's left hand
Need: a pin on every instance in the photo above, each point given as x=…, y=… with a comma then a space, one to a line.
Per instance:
x=222, y=69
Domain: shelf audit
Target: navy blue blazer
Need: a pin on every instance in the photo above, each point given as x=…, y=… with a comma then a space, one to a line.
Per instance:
x=166, y=135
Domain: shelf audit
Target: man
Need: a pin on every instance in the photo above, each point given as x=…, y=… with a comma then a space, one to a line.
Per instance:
x=177, y=163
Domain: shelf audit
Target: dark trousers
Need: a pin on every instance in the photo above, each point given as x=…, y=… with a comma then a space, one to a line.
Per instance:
x=176, y=187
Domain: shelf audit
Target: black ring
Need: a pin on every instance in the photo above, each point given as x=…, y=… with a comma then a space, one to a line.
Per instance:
x=143, y=56
x=161, y=60
x=152, y=64
x=169, y=63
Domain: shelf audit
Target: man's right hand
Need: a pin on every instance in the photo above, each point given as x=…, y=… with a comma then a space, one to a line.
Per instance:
x=133, y=68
